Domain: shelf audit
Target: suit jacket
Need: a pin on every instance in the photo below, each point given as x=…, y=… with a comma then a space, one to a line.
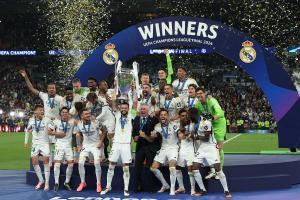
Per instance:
x=147, y=128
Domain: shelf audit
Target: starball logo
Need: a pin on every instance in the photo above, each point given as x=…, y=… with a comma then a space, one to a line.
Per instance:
x=178, y=28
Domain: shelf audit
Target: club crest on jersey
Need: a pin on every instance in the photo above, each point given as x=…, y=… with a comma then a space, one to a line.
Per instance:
x=205, y=128
x=110, y=55
x=247, y=53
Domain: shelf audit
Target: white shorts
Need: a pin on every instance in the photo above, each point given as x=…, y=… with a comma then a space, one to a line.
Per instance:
x=164, y=155
x=122, y=151
x=42, y=149
x=61, y=153
x=185, y=158
x=207, y=155
x=97, y=153
x=52, y=139
x=110, y=126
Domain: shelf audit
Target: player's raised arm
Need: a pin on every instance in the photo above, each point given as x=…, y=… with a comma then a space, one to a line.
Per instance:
x=28, y=82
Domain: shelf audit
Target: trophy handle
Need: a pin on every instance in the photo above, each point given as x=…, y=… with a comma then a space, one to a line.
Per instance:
x=135, y=72
x=118, y=67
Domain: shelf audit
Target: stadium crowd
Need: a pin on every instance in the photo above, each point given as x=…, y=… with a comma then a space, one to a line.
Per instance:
x=244, y=103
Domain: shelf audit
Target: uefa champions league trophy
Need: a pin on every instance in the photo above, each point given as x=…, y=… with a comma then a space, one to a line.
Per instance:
x=124, y=78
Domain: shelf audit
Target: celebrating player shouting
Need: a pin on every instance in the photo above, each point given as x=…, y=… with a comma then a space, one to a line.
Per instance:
x=168, y=151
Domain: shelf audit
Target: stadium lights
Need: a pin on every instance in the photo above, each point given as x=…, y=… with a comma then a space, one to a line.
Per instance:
x=1, y=111
x=21, y=114
x=12, y=113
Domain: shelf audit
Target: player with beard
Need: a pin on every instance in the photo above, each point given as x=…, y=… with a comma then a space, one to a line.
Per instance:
x=168, y=151
x=160, y=93
x=186, y=152
x=121, y=147
x=207, y=153
x=104, y=94
x=149, y=99
x=171, y=103
x=92, y=84
x=93, y=135
x=51, y=103
x=63, y=129
x=38, y=126
x=68, y=100
x=94, y=105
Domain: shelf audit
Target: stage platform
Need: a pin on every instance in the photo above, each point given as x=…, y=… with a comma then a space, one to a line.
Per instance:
x=244, y=173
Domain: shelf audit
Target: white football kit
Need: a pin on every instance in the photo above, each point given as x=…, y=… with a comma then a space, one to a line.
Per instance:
x=169, y=146
x=181, y=87
x=189, y=102
x=107, y=118
x=186, y=152
x=207, y=152
x=91, y=139
x=172, y=105
x=121, y=146
x=51, y=105
x=40, y=138
x=63, y=146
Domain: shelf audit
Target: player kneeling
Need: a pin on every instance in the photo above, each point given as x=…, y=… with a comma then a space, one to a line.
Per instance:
x=168, y=151
x=63, y=129
x=207, y=152
x=92, y=143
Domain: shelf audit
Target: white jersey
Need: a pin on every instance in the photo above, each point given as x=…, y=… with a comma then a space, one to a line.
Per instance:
x=90, y=132
x=81, y=95
x=187, y=145
x=189, y=102
x=123, y=134
x=168, y=134
x=39, y=129
x=51, y=105
x=152, y=108
x=95, y=109
x=107, y=118
x=160, y=99
x=206, y=125
x=63, y=126
x=172, y=105
x=181, y=87
x=67, y=103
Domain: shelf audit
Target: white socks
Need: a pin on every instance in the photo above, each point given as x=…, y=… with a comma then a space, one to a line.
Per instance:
x=159, y=176
x=110, y=175
x=69, y=172
x=126, y=177
x=98, y=172
x=172, y=176
x=56, y=172
x=192, y=181
x=81, y=169
x=47, y=173
x=223, y=180
x=38, y=172
x=179, y=178
x=198, y=179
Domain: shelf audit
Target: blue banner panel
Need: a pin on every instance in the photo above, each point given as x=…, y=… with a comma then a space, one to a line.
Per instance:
x=191, y=32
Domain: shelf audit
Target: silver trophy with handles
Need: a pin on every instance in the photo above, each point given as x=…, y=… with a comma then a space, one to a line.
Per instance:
x=124, y=78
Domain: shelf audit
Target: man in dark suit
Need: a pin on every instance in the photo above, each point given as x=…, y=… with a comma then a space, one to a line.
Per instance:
x=146, y=146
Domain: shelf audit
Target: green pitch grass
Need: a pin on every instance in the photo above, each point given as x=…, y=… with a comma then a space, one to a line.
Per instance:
x=13, y=156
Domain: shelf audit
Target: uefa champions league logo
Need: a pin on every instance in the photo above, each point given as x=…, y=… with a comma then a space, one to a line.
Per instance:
x=247, y=53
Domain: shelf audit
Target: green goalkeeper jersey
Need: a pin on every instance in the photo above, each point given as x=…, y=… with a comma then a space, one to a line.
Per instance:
x=213, y=107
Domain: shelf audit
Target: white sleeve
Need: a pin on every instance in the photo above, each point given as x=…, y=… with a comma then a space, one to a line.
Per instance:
x=43, y=96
